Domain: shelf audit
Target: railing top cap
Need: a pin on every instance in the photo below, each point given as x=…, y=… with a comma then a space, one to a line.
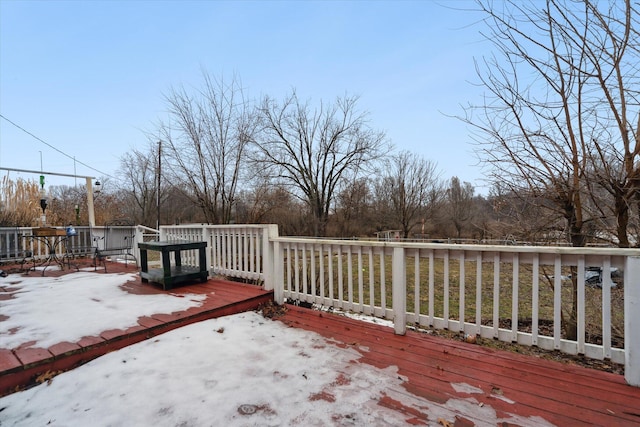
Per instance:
x=229, y=226
x=568, y=250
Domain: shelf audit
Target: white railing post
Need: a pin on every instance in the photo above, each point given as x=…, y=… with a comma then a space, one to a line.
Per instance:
x=278, y=272
x=139, y=237
x=399, y=293
x=632, y=321
x=206, y=236
x=269, y=256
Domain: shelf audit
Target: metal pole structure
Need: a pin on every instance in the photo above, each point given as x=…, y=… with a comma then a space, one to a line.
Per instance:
x=92, y=218
x=92, y=215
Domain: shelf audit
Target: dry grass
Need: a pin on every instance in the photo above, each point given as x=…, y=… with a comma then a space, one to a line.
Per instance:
x=20, y=205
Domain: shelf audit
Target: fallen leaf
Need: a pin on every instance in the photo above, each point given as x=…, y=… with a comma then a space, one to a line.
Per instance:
x=47, y=376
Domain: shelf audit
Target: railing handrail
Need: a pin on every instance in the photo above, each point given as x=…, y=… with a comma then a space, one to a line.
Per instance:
x=561, y=250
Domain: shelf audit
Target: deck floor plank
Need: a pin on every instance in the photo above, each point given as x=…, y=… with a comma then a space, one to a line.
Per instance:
x=564, y=395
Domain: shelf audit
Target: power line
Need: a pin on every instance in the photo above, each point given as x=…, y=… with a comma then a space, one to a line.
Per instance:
x=56, y=149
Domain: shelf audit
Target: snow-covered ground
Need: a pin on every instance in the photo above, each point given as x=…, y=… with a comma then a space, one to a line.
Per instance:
x=49, y=310
x=240, y=370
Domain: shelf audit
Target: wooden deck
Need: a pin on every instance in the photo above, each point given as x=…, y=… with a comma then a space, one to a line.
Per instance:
x=478, y=384
x=444, y=371
x=20, y=367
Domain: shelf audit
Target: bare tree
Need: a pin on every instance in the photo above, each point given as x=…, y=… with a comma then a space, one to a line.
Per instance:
x=205, y=141
x=312, y=150
x=409, y=188
x=516, y=217
x=612, y=51
x=532, y=147
x=140, y=172
x=483, y=218
x=460, y=204
x=562, y=93
x=62, y=202
x=272, y=204
x=353, y=209
x=562, y=103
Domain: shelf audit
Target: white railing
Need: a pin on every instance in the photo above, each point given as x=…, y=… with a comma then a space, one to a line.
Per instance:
x=16, y=245
x=519, y=294
x=239, y=251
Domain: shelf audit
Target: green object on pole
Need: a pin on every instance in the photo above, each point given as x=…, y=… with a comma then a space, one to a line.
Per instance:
x=42, y=181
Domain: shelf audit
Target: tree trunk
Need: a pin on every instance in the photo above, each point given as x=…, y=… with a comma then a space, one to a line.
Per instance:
x=622, y=222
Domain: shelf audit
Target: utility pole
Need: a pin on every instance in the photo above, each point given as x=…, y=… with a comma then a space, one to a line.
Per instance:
x=158, y=183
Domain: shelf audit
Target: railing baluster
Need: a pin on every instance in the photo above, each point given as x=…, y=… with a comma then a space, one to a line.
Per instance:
x=606, y=307
x=360, y=281
x=478, y=293
x=340, y=276
x=296, y=270
x=445, y=285
x=496, y=295
x=462, y=297
x=304, y=270
x=350, y=278
x=289, y=268
x=372, y=289
x=313, y=283
x=432, y=292
x=557, y=302
x=383, y=287
x=416, y=285
x=581, y=306
x=535, y=288
x=322, y=278
x=330, y=272
x=514, y=298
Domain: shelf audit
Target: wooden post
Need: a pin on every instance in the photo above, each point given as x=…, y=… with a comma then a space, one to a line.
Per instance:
x=632, y=321
x=399, y=291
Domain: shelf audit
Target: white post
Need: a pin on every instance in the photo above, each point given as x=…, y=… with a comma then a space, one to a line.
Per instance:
x=269, y=256
x=206, y=236
x=399, y=291
x=278, y=272
x=137, y=238
x=92, y=216
x=632, y=321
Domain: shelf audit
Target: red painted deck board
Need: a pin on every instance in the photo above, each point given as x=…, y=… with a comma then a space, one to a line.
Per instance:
x=562, y=394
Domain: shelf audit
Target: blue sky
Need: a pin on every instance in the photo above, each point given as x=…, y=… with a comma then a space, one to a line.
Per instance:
x=88, y=77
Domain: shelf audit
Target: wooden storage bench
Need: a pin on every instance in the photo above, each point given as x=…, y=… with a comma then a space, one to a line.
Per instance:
x=170, y=275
